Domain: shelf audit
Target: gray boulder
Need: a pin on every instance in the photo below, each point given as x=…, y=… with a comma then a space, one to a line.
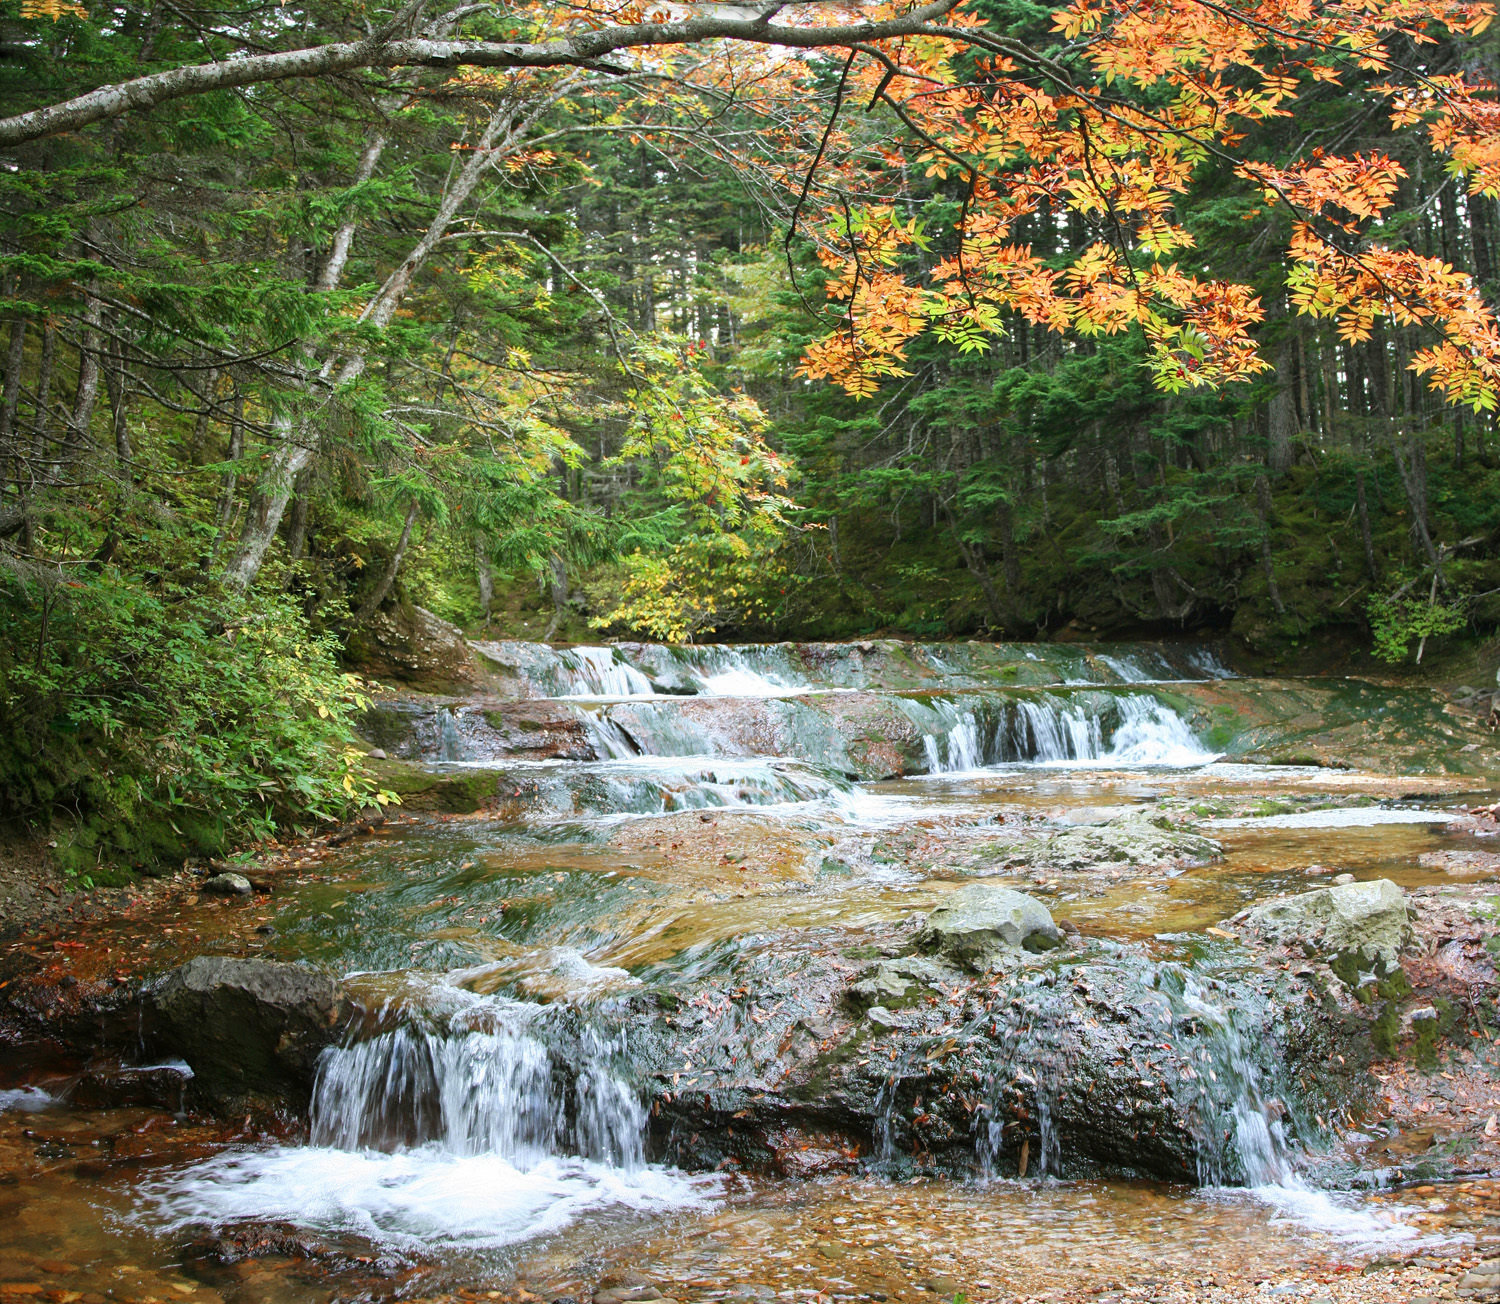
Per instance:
x=251, y=1030
x=1139, y=838
x=976, y=924
x=1365, y=919
x=226, y=884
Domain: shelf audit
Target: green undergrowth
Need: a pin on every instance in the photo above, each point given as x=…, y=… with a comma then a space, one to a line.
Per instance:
x=141, y=723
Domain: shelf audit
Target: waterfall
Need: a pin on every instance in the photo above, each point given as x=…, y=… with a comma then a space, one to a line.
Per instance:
x=475, y=1093
x=961, y=747
x=601, y=672
x=1126, y=669
x=1050, y=731
x=1123, y=729
x=450, y=743
x=464, y=1136
x=1245, y=1137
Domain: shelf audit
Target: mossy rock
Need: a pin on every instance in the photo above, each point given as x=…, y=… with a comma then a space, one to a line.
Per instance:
x=452, y=793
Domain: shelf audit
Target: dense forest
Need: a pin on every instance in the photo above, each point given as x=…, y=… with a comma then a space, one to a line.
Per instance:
x=538, y=349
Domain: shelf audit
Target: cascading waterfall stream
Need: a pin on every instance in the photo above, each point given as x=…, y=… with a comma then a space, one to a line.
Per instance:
x=1122, y=729
x=473, y=1136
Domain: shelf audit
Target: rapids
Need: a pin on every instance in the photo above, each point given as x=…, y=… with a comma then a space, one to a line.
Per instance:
x=545, y=982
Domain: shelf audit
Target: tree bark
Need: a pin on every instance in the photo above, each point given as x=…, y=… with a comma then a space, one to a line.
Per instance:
x=81, y=417
x=205, y=417
x=485, y=574
x=979, y=569
x=296, y=529
x=236, y=451
x=1413, y=471
x=559, y=577
x=332, y=272
x=15, y=357
x=114, y=384
x=377, y=595
x=41, y=419
x=1364, y=524
x=1263, y=502
x=1281, y=413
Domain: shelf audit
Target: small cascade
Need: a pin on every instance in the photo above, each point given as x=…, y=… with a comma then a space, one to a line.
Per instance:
x=450, y=743
x=1152, y=733
x=602, y=672
x=1107, y=728
x=469, y=1137
x=1050, y=732
x=1245, y=1138
x=610, y=741
x=1127, y=669
x=656, y=786
x=497, y=1092
x=958, y=749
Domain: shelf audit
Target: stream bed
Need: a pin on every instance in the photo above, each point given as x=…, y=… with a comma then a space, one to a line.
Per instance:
x=663, y=1004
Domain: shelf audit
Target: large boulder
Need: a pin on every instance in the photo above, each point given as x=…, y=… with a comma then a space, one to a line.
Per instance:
x=412, y=646
x=1368, y=920
x=251, y=1030
x=977, y=924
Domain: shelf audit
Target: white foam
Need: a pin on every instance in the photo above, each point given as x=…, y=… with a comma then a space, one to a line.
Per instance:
x=26, y=1100
x=414, y=1199
x=740, y=682
x=1344, y=1217
x=598, y=672
x=1347, y=817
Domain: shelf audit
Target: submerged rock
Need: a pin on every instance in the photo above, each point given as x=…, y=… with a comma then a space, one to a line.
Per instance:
x=1139, y=838
x=250, y=1030
x=977, y=923
x=1364, y=919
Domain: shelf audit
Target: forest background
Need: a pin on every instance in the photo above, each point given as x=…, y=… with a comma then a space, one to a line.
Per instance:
x=281, y=366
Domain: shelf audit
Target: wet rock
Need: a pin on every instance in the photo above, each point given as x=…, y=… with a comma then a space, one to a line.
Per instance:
x=895, y=981
x=410, y=645
x=226, y=885
x=1139, y=838
x=977, y=923
x=1365, y=919
x=250, y=1030
x=1461, y=862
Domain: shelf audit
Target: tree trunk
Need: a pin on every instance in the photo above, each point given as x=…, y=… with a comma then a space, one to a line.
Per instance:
x=1413, y=471
x=1281, y=413
x=332, y=271
x=1364, y=524
x=236, y=451
x=114, y=384
x=979, y=569
x=486, y=575
x=377, y=594
x=296, y=528
x=15, y=357
x=40, y=417
x=559, y=596
x=205, y=417
x=1263, y=499
x=81, y=417
x=299, y=436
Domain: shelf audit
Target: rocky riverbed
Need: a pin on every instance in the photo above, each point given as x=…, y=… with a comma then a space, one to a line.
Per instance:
x=683, y=982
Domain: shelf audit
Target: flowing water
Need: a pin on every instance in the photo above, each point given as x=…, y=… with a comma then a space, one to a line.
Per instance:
x=486, y=1123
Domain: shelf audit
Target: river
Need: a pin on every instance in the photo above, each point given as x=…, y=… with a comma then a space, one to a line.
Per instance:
x=674, y=845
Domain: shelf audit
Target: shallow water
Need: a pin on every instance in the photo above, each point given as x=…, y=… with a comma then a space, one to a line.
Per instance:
x=639, y=861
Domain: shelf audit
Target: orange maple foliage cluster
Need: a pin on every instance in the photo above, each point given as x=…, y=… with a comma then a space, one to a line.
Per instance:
x=1153, y=92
